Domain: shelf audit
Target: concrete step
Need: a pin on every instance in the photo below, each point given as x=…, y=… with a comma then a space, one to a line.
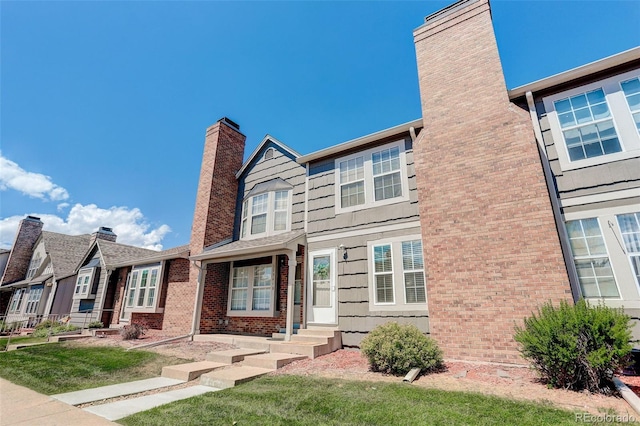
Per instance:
x=324, y=332
x=271, y=361
x=321, y=340
x=112, y=391
x=64, y=338
x=309, y=349
x=104, y=331
x=230, y=377
x=277, y=336
x=191, y=370
x=119, y=409
x=232, y=355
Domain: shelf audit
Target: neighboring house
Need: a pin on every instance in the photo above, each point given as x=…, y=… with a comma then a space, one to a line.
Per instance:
x=40, y=262
x=587, y=121
x=93, y=295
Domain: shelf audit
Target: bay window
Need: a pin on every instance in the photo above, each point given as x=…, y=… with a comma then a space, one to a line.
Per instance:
x=142, y=286
x=84, y=283
x=266, y=214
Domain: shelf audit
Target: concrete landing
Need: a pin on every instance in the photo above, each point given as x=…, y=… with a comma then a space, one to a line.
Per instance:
x=232, y=355
x=105, y=392
x=230, y=377
x=191, y=370
x=271, y=361
x=309, y=349
x=119, y=409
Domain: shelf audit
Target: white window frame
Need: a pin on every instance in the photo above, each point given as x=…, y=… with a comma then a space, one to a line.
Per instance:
x=33, y=299
x=85, y=278
x=249, y=311
x=34, y=265
x=16, y=301
x=399, y=287
x=598, y=256
x=135, y=300
x=247, y=216
x=630, y=254
x=369, y=188
x=623, y=123
x=631, y=111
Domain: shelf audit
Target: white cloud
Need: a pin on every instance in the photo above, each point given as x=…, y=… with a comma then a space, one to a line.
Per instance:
x=62, y=206
x=128, y=224
x=37, y=185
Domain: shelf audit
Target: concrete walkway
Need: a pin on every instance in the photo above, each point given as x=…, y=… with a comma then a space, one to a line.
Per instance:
x=112, y=391
x=24, y=407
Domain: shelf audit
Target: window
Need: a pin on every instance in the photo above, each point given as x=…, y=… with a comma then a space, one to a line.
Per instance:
x=252, y=289
x=34, y=265
x=16, y=300
x=35, y=293
x=142, y=284
x=596, y=123
x=630, y=229
x=587, y=125
x=266, y=214
x=591, y=259
x=84, y=283
x=397, y=276
x=631, y=89
x=321, y=285
x=377, y=176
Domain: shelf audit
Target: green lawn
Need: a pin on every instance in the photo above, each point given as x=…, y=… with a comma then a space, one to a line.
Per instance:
x=19, y=339
x=65, y=367
x=295, y=400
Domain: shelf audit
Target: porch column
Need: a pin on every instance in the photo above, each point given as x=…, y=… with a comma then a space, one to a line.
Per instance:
x=291, y=285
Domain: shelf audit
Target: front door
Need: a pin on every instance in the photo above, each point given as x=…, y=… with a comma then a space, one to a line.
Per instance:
x=322, y=288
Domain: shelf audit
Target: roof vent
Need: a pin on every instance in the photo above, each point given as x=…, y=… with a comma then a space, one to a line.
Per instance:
x=230, y=123
x=268, y=154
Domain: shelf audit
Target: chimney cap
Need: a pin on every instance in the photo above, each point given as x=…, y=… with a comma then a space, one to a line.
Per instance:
x=33, y=218
x=230, y=122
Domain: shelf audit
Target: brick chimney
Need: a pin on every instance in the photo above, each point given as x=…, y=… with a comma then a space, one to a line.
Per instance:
x=214, y=213
x=490, y=243
x=28, y=233
x=104, y=233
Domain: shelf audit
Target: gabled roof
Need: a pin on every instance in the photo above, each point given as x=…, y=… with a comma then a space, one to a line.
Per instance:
x=267, y=140
x=3, y=251
x=65, y=251
x=158, y=256
x=116, y=253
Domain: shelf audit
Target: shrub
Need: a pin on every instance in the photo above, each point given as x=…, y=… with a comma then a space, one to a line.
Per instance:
x=95, y=324
x=396, y=349
x=576, y=346
x=133, y=331
x=52, y=328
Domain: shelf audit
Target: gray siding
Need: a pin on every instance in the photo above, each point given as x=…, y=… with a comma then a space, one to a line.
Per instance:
x=280, y=166
x=598, y=179
x=322, y=215
x=82, y=319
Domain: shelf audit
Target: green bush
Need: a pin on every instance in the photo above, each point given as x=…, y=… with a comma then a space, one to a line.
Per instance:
x=49, y=328
x=96, y=324
x=576, y=346
x=396, y=349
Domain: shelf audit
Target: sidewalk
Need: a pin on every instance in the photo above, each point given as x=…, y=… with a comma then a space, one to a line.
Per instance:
x=22, y=406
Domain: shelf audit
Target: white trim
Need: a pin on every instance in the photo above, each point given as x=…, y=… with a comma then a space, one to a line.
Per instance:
x=369, y=178
x=333, y=289
x=586, y=214
x=255, y=152
x=628, y=136
x=400, y=303
x=598, y=198
x=373, y=230
x=138, y=270
x=82, y=273
x=247, y=206
x=249, y=312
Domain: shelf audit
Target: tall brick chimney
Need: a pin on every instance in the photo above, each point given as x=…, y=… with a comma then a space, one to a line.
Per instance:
x=214, y=213
x=104, y=233
x=28, y=232
x=490, y=243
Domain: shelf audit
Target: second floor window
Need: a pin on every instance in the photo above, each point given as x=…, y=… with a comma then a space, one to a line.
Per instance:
x=84, y=282
x=587, y=125
x=631, y=89
x=266, y=214
x=34, y=266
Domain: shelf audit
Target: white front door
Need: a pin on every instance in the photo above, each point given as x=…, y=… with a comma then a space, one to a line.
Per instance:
x=322, y=288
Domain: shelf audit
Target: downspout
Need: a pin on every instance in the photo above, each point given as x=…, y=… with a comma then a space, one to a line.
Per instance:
x=412, y=132
x=555, y=205
x=197, y=306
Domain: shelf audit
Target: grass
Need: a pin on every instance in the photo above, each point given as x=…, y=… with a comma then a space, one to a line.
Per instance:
x=65, y=367
x=295, y=400
x=19, y=339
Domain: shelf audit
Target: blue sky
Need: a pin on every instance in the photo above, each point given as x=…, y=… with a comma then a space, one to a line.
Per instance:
x=104, y=105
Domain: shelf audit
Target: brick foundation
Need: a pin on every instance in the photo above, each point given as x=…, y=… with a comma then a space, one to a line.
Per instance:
x=491, y=248
x=152, y=321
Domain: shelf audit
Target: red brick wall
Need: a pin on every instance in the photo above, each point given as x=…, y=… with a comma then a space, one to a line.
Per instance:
x=491, y=248
x=213, y=217
x=214, y=307
x=150, y=320
x=28, y=233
